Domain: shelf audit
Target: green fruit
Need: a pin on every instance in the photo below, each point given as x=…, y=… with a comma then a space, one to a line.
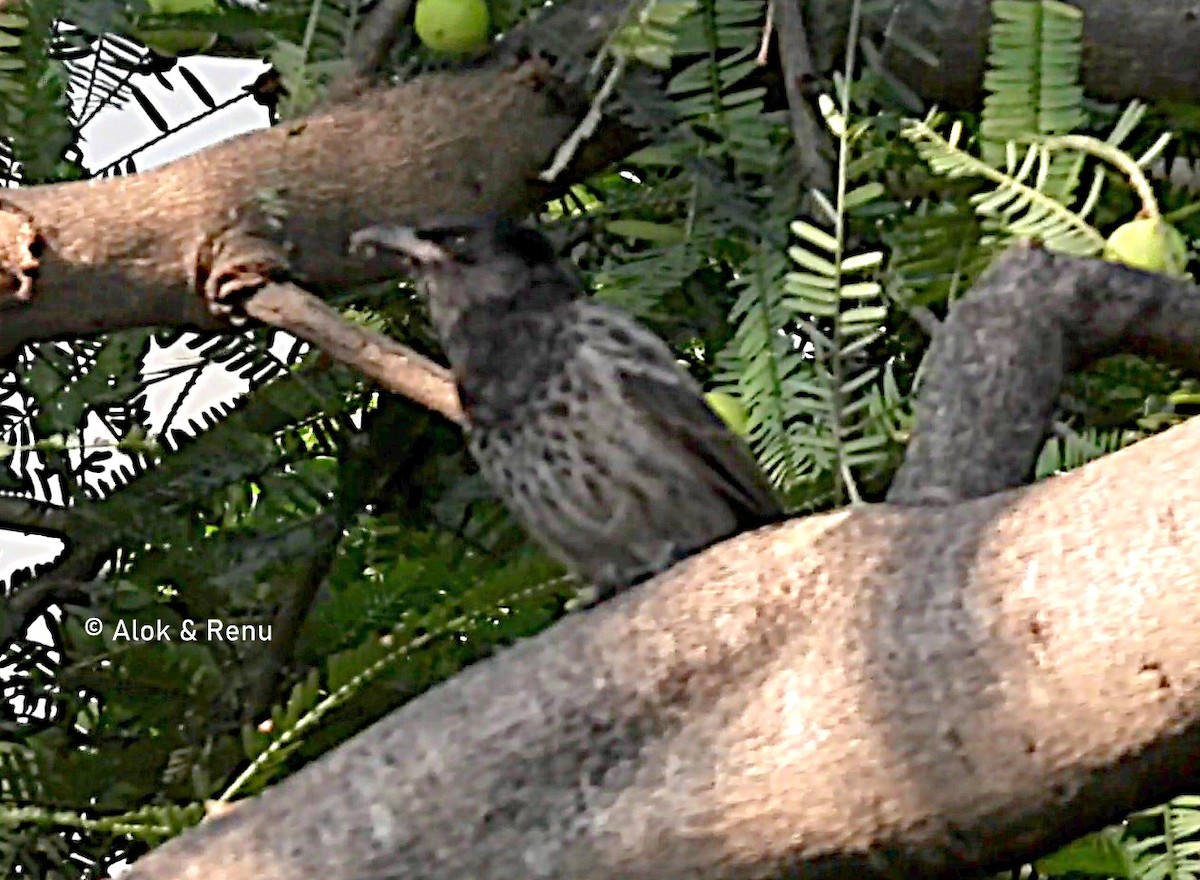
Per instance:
x=1150, y=244
x=452, y=25
x=178, y=7
x=170, y=42
x=730, y=409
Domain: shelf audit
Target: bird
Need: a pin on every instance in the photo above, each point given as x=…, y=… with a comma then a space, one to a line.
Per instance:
x=581, y=420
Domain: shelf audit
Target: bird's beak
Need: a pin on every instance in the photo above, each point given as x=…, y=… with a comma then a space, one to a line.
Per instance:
x=399, y=239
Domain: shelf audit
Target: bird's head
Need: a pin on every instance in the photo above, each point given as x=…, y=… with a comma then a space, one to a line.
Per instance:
x=481, y=263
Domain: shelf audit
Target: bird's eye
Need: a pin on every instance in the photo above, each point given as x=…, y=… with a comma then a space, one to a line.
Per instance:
x=447, y=237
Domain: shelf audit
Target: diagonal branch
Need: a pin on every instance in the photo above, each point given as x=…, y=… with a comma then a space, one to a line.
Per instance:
x=996, y=366
x=104, y=255
x=394, y=366
x=376, y=35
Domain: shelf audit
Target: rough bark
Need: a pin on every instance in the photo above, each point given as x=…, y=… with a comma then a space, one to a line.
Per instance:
x=887, y=691
x=995, y=369
x=875, y=693
x=1132, y=49
x=135, y=251
x=142, y=250
x=131, y=251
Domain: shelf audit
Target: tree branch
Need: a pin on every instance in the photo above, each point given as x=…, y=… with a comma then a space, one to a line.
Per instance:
x=376, y=35
x=1131, y=48
x=394, y=366
x=799, y=71
x=876, y=693
x=888, y=691
x=862, y=694
x=996, y=366
x=135, y=251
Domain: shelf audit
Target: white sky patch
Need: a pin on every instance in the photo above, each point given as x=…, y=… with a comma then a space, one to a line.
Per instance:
x=23, y=550
x=113, y=133
x=117, y=130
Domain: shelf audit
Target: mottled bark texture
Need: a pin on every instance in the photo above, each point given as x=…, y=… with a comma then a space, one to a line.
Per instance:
x=931, y=691
x=134, y=250
x=131, y=251
x=995, y=369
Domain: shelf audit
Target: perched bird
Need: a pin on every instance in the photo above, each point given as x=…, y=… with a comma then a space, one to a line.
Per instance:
x=581, y=419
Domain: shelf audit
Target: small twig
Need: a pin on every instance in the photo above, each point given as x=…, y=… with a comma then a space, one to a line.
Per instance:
x=18, y=610
x=1119, y=159
x=795, y=56
x=764, y=48
x=19, y=513
x=925, y=319
x=587, y=126
x=376, y=35
x=394, y=366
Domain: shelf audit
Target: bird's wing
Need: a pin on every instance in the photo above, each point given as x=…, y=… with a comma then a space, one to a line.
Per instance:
x=671, y=404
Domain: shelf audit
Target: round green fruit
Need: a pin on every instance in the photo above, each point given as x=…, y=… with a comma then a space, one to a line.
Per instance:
x=457, y=26
x=730, y=409
x=170, y=42
x=1150, y=244
x=179, y=7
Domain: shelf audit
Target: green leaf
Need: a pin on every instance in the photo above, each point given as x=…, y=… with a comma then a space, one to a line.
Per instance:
x=662, y=233
x=1101, y=854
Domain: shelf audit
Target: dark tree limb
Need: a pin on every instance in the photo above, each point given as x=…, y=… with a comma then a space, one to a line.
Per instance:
x=812, y=143
x=1132, y=48
x=376, y=35
x=69, y=580
x=127, y=251
x=300, y=592
x=997, y=365
x=19, y=513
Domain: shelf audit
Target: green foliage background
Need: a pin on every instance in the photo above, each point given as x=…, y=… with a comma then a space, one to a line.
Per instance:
x=355, y=524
